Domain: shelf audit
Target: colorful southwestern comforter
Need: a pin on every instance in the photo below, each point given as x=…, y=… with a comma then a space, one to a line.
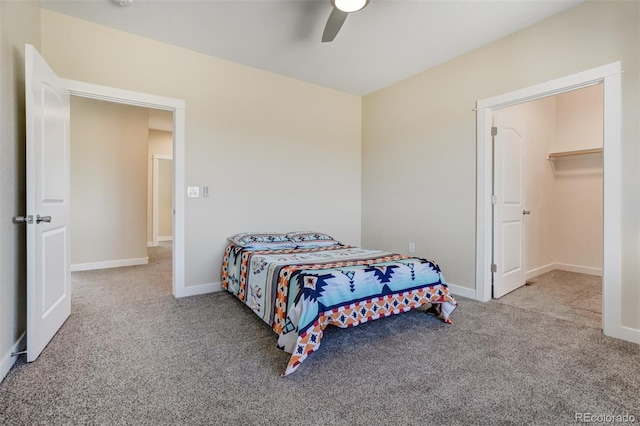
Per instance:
x=299, y=292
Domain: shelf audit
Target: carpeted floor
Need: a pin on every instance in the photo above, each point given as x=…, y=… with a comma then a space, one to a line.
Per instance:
x=576, y=297
x=132, y=354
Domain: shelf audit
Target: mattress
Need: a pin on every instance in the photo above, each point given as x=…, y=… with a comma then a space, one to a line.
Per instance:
x=300, y=291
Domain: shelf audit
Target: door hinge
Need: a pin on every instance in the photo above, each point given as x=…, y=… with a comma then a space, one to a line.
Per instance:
x=494, y=199
x=494, y=131
x=494, y=267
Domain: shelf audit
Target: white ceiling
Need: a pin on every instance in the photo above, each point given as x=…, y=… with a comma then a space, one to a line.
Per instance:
x=386, y=42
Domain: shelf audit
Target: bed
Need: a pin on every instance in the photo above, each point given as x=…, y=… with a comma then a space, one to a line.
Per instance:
x=301, y=282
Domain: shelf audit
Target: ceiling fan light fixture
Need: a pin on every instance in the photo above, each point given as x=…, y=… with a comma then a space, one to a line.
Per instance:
x=349, y=6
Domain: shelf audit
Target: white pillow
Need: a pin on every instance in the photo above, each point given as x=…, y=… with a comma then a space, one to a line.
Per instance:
x=262, y=240
x=307, y=239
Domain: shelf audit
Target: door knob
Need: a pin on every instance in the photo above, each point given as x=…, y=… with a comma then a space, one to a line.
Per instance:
x=43, y=219
x=526, y=211
x=23, y=219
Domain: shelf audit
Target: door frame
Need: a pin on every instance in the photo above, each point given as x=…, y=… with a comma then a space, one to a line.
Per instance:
x=610, y=76
x=177, y=106
x=155, y=213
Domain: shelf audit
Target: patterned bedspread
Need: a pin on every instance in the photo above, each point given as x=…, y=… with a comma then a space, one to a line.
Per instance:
x=299, y=292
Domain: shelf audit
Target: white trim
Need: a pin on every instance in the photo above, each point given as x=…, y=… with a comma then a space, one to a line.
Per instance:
x=610, y=76
x=8, y=360
x=628, y=334
x=483, y=205
x=179, y=272
x=127, y=97
x=166, y=238
x=162, y=157
x=155, y=209
x=122, y=96
x=109, y=264
x=612, y=199
x=457, y=290
x=539, y=271
x=560, y=85
x=579, y=269
x=588, y=270
x=151, y=244
x=202, y=289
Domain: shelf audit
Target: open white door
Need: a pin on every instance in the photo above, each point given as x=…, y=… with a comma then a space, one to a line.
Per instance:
x=48, y=262
x=508, y=209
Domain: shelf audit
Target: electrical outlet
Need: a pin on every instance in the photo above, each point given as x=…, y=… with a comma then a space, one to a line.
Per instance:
x=412, y=247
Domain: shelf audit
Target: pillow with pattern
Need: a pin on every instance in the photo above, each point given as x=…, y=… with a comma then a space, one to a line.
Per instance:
x=262, y=240
x=306, y=239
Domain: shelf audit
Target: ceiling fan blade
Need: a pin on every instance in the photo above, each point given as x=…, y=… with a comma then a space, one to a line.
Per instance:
x=334, y=23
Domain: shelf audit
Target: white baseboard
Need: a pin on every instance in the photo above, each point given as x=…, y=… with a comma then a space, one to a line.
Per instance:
x=457, y=290
x=579, y=269
x=628, y=334
x=539, y=271
x=160, y=239
x=563, y=267
x=109, y=264
x=7, y=360
x=196, y=290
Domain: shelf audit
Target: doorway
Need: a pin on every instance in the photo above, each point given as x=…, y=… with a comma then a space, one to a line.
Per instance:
x=560, y=215
x=161, y=199
x=113, y=153
x=610, y=76
x=177, y=106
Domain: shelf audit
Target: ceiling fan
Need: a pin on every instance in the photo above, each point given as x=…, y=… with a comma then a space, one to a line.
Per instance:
x=341, y=8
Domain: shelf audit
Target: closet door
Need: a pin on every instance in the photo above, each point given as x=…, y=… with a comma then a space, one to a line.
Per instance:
x=509, y=207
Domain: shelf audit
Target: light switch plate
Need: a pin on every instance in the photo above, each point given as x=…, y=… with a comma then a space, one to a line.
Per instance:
x=193, y=191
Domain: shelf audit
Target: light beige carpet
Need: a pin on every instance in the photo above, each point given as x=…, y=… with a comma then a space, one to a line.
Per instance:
x=564, y=295
x=132, y=354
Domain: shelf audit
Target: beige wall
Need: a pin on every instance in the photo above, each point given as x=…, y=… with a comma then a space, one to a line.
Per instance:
x=565, y=226
x=419, y=163
x=578, y=181
x=580, y=119
x=278, y=154
x=19, y=24
x=160, y=142
x=108, y=181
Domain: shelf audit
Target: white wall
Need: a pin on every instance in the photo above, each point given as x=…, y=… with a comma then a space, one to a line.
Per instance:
x=278, y=154
x=108, y=219
x=419, y=135
x=19, y=24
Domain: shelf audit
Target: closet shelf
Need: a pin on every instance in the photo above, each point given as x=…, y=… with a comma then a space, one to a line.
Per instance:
x=562, y=154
